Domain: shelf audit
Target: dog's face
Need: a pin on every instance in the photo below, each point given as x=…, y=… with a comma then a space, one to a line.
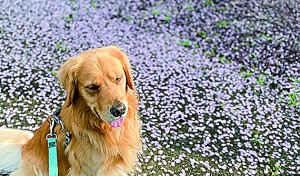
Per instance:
x=100, y=78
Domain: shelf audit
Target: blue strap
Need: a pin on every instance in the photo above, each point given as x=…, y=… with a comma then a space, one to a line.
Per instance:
x=53, y=168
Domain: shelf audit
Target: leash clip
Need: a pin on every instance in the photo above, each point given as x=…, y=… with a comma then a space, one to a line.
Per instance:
x=54, y=118
x=52, y=124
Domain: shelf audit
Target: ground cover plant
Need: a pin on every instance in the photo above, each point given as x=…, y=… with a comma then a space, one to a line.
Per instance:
x=219, y=81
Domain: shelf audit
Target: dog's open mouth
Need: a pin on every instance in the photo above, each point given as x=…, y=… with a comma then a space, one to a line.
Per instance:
x=117, y=123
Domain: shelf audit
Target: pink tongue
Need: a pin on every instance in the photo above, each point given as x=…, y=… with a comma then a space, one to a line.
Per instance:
x=117, y=123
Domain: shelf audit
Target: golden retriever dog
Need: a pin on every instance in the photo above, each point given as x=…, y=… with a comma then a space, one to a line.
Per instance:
x=100, y=113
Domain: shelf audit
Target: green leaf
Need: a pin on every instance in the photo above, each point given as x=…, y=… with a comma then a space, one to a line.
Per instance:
x=207, y=53
x=203, y=34
x=261, y=80
x=155, y=12
x=247, y=74
x=209, y=2
x=190, y=8
x=167, y=19
x=223, y=9
x=222, y=23
x=186, y=43
x=53, y=72
x=128, y=19
x=69, y=18
x=93, y=4
x=222, y=59
x=58, y=46
x=269, y=38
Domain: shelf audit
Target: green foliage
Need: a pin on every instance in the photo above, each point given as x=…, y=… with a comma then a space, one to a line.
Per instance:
x=209, y=2
x=222, y=59
x=167, y=19
x=294, y=97
x=263, y=36
x=155, y=12
x=203, y=34
x=295, y=80
x=261, y=80
x=62, y=48
x=68, y=18
x=190, y=8
x=256, y=137
x=247, y=74
x=58, y=46
x=53, y=72
x=274, y=168
x=185, y=43
x=93, y=4
x=222, y=23
x=128, y=19
x=253, y=44
x=223, y=9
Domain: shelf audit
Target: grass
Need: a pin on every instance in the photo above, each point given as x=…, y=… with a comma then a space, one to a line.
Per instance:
x=62, y=48
x=223, y=9
x=202, y=34
x=155, y=12
x=68, y=18
x=129, y=19
x=252, y=56
x=53, y=72
x=246, y=74
x=261, y=80
x=167, y=19
x=185, y=43
x=190, y=8
x=274, y=168
x=209, y=2
x=222, y=23
x=265, y=37
x=222, y=59
x=93, y=4
x=294, y=97
x=256, y=138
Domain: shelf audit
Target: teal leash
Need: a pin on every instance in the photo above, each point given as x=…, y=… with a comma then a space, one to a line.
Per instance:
x=53, y=165
x=52, y=147
x=52, y=150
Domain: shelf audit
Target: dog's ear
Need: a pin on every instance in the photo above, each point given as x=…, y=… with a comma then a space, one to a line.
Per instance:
x=119, y=54
x=68, y=79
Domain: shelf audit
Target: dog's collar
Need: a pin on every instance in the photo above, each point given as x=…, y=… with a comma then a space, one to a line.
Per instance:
x=55, y=119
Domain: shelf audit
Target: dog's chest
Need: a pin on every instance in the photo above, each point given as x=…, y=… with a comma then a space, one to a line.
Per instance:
x=88, y=159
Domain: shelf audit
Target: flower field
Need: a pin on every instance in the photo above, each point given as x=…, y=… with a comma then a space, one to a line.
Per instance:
x=219, y=81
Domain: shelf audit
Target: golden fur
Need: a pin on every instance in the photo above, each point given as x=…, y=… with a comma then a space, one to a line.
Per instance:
x=95, y=148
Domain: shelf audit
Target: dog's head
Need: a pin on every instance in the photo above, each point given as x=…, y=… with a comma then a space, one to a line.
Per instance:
x=100, y=78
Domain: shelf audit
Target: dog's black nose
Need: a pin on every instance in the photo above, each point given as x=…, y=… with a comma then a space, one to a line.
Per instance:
x=118, y=109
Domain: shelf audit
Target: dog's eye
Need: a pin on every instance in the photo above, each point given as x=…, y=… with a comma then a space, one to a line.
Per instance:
x=93, y=87
x=118, y=79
